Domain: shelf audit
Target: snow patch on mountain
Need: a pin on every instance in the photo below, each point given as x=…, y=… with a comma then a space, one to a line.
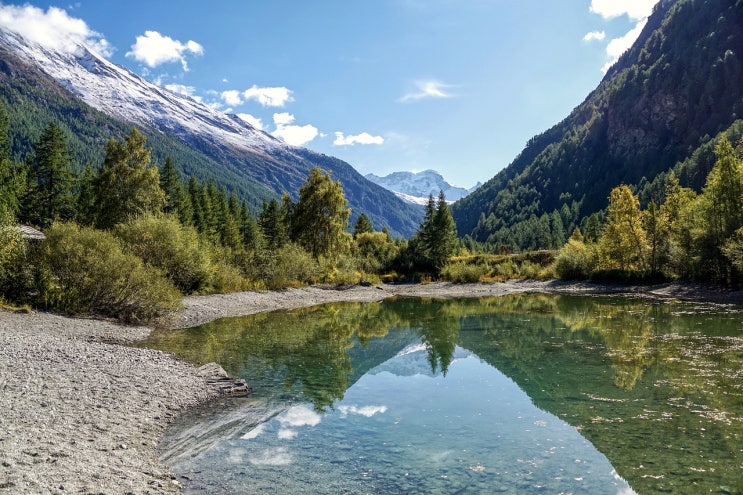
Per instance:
x=118, y=92
x=415, y=187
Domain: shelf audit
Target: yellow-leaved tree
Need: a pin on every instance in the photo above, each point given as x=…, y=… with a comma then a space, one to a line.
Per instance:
x=623, y=244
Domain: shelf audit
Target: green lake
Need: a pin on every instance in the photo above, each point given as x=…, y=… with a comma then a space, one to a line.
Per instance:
x=517, y=394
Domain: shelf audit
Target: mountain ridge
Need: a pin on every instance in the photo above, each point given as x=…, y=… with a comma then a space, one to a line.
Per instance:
x=222, y=147
x=415, y=187
x=674, y=89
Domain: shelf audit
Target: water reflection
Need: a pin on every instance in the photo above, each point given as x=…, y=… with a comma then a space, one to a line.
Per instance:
x=657, y=388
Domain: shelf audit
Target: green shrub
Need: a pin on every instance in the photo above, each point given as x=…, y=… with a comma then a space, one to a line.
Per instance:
x=462, y=273
x=575, y=260
x=533, y=271
x=288, y=266
x=342, y=269
x=505, y=270
x=16, y=273
x=90, y=274
x=163, y=242
x=224, y=275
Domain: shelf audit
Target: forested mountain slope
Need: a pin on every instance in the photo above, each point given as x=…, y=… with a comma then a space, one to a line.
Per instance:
x=678, y=85
x=96, y=100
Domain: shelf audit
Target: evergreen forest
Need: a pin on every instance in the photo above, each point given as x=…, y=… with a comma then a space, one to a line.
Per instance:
x=129, y=237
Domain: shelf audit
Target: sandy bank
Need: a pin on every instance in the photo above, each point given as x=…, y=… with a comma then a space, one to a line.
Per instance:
x=82, y=413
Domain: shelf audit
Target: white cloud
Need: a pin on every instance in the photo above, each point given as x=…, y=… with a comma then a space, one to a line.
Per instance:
x=595, y=36
x=283, y=118
x=350, y=140
x=286, y=434
x=181, y=89
x=53, y=28
x=299, y=416
x=273, y=457
x=295, y=135
x=634, y=9
x=367, y=411
x=254, y=121
x=618, y=46
x=427, y=89
x=231, y=97
x=269, y=97
x=153, y=49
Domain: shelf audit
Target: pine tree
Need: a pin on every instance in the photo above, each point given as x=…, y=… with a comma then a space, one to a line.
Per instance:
x=177, y=200
x=363, y=225
x=272, y=225
x=12, y=180
x=436, y=240
x=52, y=171
x=249, y=231
x=445, y=233
x=127, y=185
x=85, y=197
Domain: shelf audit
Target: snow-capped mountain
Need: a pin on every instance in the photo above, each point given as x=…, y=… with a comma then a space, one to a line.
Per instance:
x=415, y=187
x=226, y=140
x=122, y=94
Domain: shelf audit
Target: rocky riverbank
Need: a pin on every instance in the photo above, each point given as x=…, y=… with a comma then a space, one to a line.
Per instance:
x=83, y=411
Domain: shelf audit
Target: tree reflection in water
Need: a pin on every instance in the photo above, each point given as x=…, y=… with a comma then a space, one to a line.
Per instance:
x=655, y=386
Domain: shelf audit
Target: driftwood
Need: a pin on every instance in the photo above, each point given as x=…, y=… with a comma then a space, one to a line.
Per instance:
x=218, y=378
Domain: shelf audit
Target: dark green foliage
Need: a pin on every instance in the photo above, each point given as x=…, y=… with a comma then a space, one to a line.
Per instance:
x=128, y=185
x=177, y=199
x=12, y=178
x=272, y=223
x=436, y=240
x=362, y=225
x=678, y=83
x=50, y=194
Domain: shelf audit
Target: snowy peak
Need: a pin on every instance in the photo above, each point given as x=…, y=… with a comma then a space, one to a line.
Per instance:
x=217, y=146
x=122, y=94
x=415, y=187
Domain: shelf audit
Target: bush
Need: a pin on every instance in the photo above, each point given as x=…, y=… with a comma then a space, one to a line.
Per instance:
x=288, y=266
x=90, y=274
x=343, y=269
x=16, y=276
x=575, y=260
x=224, y=276
x=163, y=242
x=462, y=273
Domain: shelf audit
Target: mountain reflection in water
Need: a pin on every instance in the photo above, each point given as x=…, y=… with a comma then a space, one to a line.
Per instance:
x=656, y=387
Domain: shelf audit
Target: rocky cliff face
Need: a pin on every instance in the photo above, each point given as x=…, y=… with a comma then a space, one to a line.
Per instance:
x=675, y=88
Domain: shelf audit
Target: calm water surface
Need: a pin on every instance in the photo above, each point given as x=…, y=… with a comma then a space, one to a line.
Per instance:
x=519, y=394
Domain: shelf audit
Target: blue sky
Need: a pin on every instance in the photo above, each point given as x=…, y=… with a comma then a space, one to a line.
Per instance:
x=457, y=86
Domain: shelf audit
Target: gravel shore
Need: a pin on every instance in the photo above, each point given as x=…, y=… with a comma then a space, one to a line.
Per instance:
x=83, y=412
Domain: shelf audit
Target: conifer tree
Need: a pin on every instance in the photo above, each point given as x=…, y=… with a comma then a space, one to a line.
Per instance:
x=52, y=177
x=272, y=225
x=436, y=240
x=362, y=226
x=127, y=185
x=12, y=179
x=249, y=231
x=177, y=200
x=85, y=197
